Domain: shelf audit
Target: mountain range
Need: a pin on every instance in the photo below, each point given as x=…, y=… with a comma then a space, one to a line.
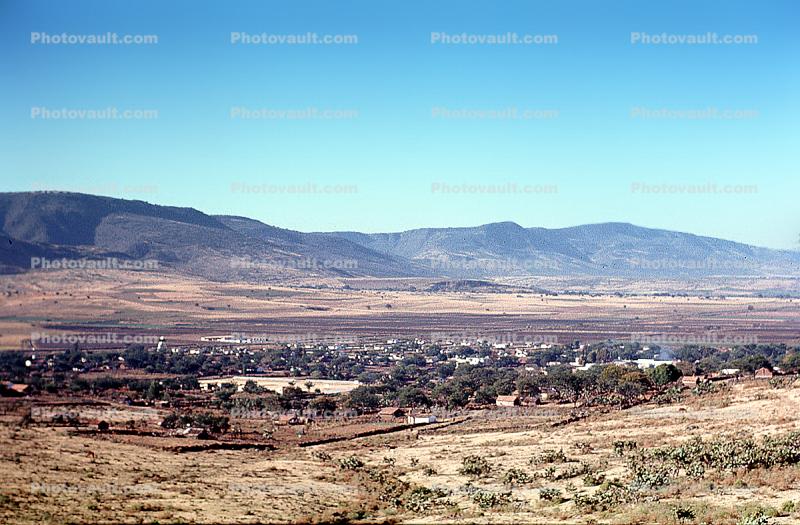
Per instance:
x=54, y=225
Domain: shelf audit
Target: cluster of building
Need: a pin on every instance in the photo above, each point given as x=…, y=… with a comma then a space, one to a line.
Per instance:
x=728, y=374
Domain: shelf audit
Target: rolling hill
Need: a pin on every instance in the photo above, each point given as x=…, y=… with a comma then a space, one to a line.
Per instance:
x=55, y=224
x=609, y=249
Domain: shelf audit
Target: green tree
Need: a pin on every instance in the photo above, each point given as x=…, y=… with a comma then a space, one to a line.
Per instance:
x=633, y=385
x=155, y=391
x=363, y=397
x=791, y=361
x=251, y=387
x=664, y=374
x=413, y=397
x=529, y=384
x=323, y=404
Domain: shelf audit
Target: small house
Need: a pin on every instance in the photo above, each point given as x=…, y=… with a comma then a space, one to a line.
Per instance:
x=391, y=413
x=507, y=401
x=420, y=419
x=764, y=373
x=194, y=432
x=690, y=381
x=14, y=389
x=289, y=419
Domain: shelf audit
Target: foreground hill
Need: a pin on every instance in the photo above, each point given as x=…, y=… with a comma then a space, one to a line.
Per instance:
x=55, y=224
x=539, y=469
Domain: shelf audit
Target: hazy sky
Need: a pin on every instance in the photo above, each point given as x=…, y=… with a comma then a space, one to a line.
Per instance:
x=399, y=131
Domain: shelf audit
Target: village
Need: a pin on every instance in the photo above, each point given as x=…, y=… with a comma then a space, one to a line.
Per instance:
x=243, y=392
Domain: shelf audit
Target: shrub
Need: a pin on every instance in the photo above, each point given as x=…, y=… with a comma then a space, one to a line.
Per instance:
x=351, y=463
x=549, y=456
x=548, y=473
x=550, y=494
x=593, y=479
x=251, y=387
x=695, y=470
x=671, y=395
x=708, y=387
x=486, y=499
x=422, y=498
x=574, y=471
x=650, y=474
x=683, y=513
x=474, y=466
x=622, y=446
x=515, y=476
x=321, y=455
x=757, y=517
x=608, y=496
x=696, y=456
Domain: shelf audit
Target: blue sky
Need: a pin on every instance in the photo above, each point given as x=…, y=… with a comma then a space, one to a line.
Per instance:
x=394, y=150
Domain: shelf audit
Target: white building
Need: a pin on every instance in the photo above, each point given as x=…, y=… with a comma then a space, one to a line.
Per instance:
x=649, y=363
x=420, y=420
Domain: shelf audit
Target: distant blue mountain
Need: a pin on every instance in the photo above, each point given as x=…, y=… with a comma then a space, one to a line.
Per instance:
x=56, y=224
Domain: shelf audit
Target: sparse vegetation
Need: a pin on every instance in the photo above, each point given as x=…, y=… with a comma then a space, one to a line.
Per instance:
x=475, y=466
x=549, y=456
x=351, y=463
x=695, y=457
x=487, y=499
x=515, y=476
x=623, y=446
x=551, y=494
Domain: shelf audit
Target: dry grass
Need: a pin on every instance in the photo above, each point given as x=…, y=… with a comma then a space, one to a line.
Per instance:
x=293, y=484
x=186, y=308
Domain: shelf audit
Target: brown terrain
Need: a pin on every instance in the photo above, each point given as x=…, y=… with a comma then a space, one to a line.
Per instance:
x=54, y=474
x=184, y=309
x=554, y=462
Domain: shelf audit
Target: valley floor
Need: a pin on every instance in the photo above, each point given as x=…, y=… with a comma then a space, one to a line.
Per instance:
x=185, y=309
